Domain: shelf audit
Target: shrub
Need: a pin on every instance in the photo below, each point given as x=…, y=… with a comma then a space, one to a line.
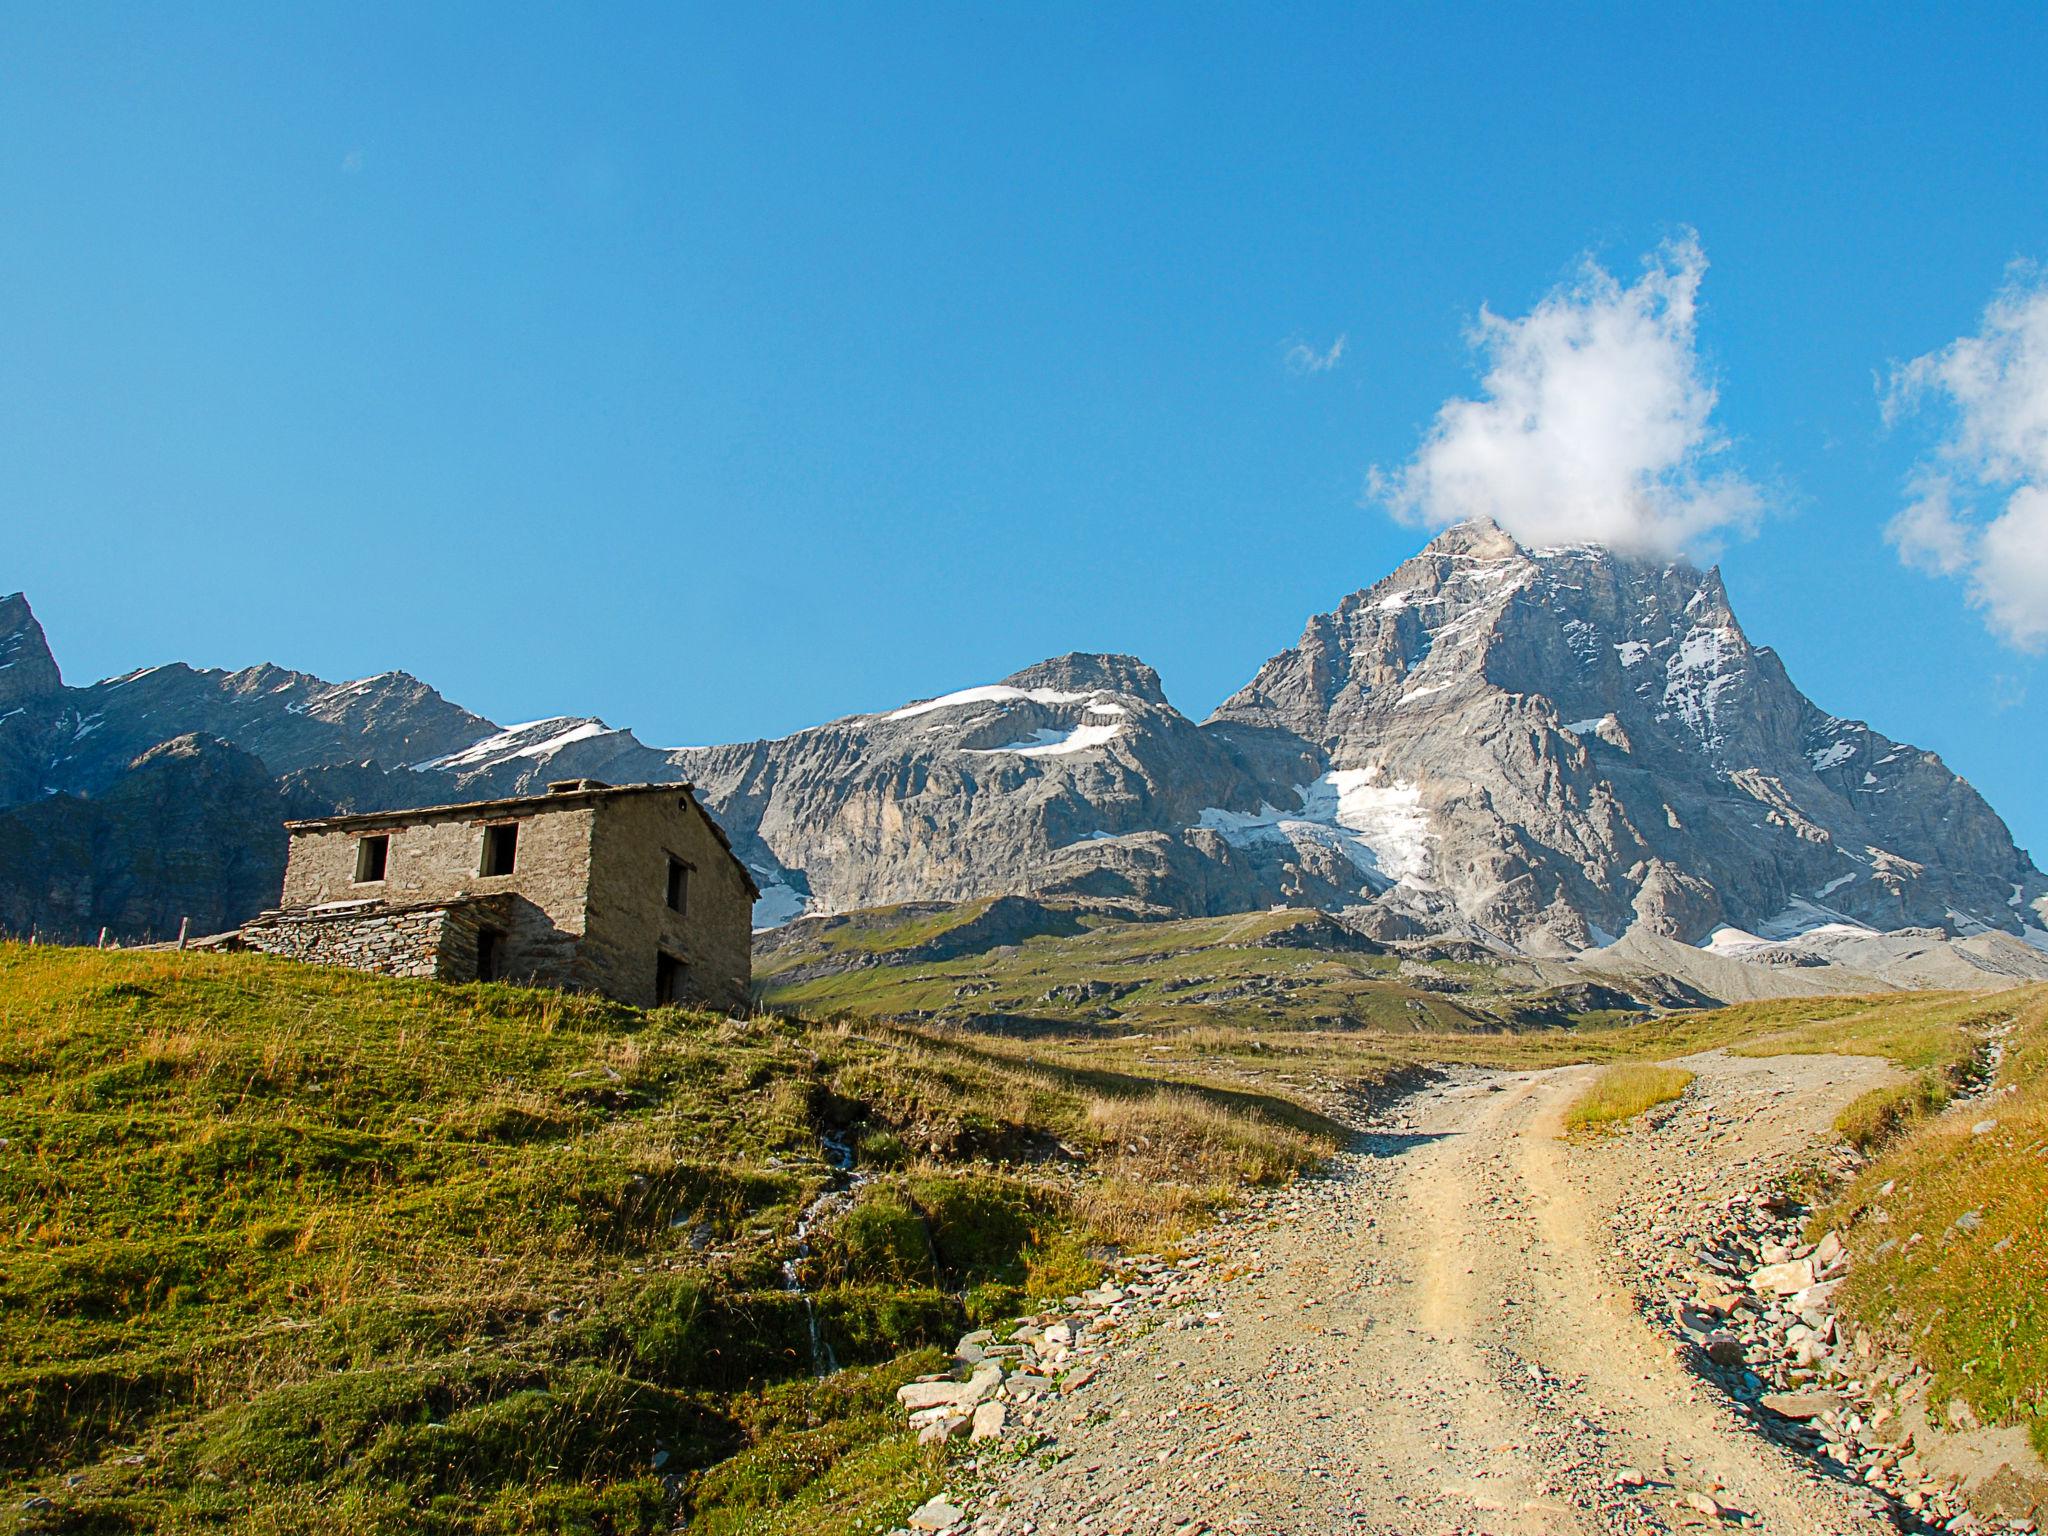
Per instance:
x=882, y=1240
x=979, y=1227
x=689, y=1332
x=867, y=1324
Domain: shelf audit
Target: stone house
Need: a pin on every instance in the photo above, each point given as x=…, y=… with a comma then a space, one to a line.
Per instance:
x=631, y=890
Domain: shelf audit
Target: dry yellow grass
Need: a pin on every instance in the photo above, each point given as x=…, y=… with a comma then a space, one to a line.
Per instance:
x=1620, y=1093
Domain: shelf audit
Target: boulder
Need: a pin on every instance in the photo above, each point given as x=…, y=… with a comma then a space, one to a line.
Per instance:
x=936, y=1514
x=1785, y=1279
x=1802, y=1406
x=919, y=1395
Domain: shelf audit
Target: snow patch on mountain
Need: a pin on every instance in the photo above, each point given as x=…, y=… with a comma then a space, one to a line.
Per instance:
x=1831, y=756
x=992, y=693
x=1802, y=917
x=780, y=901
x=1050, y=743
x=538, y=739
x=1707, y=665
x=1381, y=827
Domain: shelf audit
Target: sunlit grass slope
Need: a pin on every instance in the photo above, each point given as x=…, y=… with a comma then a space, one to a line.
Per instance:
x=1949, y=1226
x=1073, y=968
x=1620, y=1093
x=288, y=1248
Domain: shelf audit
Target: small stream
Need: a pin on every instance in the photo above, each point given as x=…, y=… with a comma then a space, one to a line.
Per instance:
x=846, y=1184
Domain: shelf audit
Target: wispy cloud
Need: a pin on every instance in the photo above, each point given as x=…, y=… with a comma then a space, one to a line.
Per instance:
x=1303, y=358
x=1979, y=502
x=1595, y=422
x=352, y=162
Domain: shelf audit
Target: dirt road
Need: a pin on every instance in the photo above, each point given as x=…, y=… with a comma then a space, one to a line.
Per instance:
x=1438, y=1336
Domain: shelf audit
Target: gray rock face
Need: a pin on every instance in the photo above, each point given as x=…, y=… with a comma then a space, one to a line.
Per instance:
x=1538, y=749
x=27, y=669
x=1592, y=743
x=193, y=830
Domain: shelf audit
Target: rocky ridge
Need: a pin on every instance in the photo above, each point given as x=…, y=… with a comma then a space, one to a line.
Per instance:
x=1539, y=750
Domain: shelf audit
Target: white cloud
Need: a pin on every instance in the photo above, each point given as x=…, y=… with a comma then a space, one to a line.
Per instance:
x=1928, y=534
x=1303, y=358
x=1594, y=423
x=1980, y=503
x=352, y=162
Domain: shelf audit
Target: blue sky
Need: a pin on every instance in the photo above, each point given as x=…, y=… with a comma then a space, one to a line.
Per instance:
x=721, y=371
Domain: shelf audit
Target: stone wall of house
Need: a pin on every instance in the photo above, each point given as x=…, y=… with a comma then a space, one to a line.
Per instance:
x=540, y=905
x=584, y=907
x=629, y=924
x=439, y=857
x=413, y=940
x=406, y=942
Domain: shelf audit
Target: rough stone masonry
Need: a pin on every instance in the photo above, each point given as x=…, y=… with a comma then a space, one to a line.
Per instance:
x=631, y=891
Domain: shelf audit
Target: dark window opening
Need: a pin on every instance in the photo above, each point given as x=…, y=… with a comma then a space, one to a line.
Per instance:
x=678, y=885
x=668, y=980
x=490, y=952
x=501, y=848
x=372, y=855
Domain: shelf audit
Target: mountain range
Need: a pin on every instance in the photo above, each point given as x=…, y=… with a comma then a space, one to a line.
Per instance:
x=1540, y=749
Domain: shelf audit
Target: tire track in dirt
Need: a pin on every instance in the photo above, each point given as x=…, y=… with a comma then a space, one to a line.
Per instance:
x=1434, y=1337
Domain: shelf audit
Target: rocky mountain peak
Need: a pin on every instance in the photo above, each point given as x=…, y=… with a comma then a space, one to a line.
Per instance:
x=27, y=669
x=193, y=747
x=1546, y=748
x=1480, y=537
x=1085, y=672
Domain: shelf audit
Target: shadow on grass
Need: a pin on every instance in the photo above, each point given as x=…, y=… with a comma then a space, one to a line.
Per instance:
x=1108, y=1083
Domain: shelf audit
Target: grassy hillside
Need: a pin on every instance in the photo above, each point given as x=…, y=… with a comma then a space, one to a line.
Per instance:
x=1050, y=965
x=305, y=1250
x=296, y=1249
x=1623, y=1091
x=1949, y=1226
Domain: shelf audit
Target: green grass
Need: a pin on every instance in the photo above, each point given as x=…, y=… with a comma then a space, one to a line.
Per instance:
x=284, y=1248
x=1949, y=1229
x=1620, y=1093
x=1262, y=970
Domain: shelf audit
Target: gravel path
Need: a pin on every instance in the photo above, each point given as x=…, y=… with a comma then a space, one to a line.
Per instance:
x=1439, y=1335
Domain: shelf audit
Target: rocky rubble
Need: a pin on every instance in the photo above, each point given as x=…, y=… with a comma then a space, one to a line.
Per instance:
x=1754, y=1308
x=1003, y=1379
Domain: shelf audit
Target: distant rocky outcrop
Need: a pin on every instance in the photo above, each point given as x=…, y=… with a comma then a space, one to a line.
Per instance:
x=191, y=833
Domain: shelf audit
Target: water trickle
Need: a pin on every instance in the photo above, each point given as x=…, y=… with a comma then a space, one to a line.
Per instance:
x=846, y=1183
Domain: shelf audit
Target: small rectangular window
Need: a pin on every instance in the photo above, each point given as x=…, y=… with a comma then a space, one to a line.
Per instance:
x=501, y=848
x=668, y=980
x=678, y=885
x=372, y=854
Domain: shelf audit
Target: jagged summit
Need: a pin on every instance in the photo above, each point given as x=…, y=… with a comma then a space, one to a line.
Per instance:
x=1082, y=671
x=1593, y=744
x=1540, y=749
x=27, y=668
x=1479, y=537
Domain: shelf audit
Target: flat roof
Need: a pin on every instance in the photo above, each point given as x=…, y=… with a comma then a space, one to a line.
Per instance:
x=560, y=799
x=553, y=800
